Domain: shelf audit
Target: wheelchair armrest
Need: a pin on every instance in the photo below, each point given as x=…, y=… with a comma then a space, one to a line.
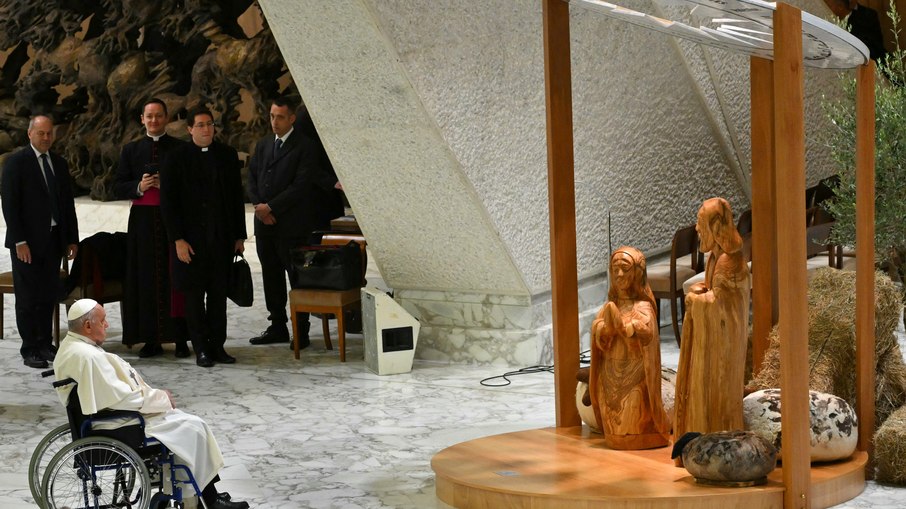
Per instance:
x=61, y=383
x=110, y=415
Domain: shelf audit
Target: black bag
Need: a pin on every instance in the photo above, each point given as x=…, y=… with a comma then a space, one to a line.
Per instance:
x=240, y=288
x=327, y=267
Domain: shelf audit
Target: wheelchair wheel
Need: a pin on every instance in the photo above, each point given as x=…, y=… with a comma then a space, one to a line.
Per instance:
x=96, y=472
x=46, y=449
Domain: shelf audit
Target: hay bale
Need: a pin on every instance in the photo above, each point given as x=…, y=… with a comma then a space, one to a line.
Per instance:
x=890, y=449
x=832, y=340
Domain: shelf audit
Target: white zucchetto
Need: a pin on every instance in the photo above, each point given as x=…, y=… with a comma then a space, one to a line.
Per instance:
x=81, y=307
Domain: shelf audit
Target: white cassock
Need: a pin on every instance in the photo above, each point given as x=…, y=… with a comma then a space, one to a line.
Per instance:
x=108, y=382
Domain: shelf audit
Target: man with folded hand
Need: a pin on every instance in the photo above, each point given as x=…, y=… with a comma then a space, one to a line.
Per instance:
x=283, y=184
x=106, y=381
x=41, y=227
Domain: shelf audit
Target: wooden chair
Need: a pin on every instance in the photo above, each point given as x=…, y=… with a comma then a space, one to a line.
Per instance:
x=91, y=282
x=328, y=302
x=666, y=278
x=6, y=287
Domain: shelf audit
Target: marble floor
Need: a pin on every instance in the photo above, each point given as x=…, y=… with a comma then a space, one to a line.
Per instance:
x=314, y=433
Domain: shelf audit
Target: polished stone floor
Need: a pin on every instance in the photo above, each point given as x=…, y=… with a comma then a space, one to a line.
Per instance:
x=314, y=433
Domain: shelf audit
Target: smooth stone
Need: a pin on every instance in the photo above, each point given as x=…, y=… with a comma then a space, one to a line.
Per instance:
x=834, y=426
x=730, y=457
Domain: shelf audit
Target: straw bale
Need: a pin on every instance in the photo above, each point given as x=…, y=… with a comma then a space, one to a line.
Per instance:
x=890, y=449
x=832, y=339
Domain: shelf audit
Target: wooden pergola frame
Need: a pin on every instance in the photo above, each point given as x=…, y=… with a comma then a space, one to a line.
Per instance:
x=778, y=190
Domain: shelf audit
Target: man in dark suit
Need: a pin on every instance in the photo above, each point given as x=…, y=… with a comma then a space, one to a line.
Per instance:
x=864, y=24
x=204, y=213
x=152, y=311
x=41, y=225
x=282, y=184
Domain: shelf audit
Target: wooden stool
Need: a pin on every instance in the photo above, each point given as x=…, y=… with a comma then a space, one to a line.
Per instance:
x=323, y=301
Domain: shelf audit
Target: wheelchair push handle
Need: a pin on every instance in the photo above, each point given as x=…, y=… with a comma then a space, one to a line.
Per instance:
x=47, y=373
x=63, y=383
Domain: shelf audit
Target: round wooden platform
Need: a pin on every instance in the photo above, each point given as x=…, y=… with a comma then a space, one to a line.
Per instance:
x=560, y=468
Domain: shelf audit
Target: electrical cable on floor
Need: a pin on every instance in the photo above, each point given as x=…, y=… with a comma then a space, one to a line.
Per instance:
x=524, y=371
x=584, y=358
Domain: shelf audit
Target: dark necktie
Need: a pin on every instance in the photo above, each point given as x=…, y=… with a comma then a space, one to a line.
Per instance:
x=277, y=144
x=51, y=189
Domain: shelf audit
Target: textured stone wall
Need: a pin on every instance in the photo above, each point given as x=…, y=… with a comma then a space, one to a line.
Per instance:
x=433, y=114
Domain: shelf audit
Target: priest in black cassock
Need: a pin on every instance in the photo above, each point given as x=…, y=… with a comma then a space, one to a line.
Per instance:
x=204, y=212
x=152, y=309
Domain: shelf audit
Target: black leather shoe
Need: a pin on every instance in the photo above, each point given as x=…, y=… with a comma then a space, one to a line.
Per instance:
x=150, y=350
x=223, y=502
x=271, y=335
x=220, y=355
x=182, y=350
x=203, y=360
x=47, y=354
x=33, y=361
x=304, y=343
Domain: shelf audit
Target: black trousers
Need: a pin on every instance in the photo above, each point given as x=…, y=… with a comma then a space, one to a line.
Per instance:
x=37, y=287
x=274, y=255
x=205, y=303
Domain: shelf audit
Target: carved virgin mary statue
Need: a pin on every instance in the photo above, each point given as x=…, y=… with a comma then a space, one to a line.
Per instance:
x=625, y=380
x=710, y=379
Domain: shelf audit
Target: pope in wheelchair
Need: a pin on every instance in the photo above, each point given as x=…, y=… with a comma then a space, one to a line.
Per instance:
x=104, y=381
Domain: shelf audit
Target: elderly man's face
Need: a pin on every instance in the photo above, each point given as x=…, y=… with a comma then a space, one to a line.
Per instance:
x=96, y=328
x=41, y=134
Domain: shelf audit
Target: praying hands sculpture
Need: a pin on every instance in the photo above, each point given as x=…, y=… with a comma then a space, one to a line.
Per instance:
x=625, y=381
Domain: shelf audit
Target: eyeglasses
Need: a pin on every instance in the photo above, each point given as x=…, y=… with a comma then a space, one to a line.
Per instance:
x=201, y=125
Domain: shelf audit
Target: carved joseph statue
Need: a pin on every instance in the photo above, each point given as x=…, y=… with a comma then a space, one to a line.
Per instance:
x=625, y=381
x=710, y=379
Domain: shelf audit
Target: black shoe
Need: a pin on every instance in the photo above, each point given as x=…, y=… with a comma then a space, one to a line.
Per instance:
x=150, y=350
x=223, y=502
x=271, y=335
x=47, y=354
x=203, y=360
x=182, y=350
x=33, y=361
x=220, y=355
x=304, y=343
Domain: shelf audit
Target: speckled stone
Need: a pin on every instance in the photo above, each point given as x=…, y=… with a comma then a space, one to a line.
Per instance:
x=730, y=457
x=834, y=425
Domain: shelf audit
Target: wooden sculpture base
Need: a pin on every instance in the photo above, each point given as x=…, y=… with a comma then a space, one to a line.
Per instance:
x=561, y=468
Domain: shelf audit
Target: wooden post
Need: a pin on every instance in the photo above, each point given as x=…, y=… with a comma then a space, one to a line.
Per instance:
x=764, y=235
x=789, y=146
x=865, y=256
x=562, y=207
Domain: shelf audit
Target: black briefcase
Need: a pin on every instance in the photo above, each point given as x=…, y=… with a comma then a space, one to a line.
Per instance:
x=327, y=267
x=240, y=288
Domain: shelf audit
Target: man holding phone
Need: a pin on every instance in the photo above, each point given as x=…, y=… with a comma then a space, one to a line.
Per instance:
x=152, y=311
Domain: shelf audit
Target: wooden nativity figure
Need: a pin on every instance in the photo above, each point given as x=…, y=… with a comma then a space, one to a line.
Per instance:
x=625, y=380
x=710, y=378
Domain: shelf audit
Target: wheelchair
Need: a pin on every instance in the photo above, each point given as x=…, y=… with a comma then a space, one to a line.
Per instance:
x=82, y=465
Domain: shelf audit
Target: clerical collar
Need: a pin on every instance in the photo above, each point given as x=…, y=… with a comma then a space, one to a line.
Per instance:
x=156, y=138
x=285, y=136
x=204, y=149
